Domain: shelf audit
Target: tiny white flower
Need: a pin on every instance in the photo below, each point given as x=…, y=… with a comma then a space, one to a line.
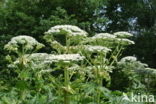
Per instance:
x=35, y=58
x=27, y=42
x=123, y=34
x=125, y=41
x=91, y=48
x=149, y=71
x=70, y=29
x=38, y=56
x=66, y=57
x=46, y=71
x=104, y=36
x=128, y=58
x=107, y=68
x=145, y=65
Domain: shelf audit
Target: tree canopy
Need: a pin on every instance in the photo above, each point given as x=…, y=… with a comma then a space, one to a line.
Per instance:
x=34, y=17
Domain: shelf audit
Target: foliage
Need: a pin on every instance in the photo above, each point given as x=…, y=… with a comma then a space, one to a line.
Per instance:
x=34, y=17
x=128, y=68
x=38, y=78
x=73, y=73
x=146, y=42
x=137, y=16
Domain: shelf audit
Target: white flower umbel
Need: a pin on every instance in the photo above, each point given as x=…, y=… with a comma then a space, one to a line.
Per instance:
x=125, y=41
x=103, y=36
x=128, y=58
x=100, y=37
x=148, y=71
x=71, y=30
x=39, y=60
x=66, y=58
x=37, y=56
x=123, y=34
x=36, y=60
x=26, y=42
x=105, y=67
x=91, y=48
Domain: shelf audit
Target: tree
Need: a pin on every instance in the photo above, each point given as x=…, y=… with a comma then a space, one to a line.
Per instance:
x=34, y=17
x=135, y=16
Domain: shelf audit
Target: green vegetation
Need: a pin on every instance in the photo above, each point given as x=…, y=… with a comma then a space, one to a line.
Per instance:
x=77, y=51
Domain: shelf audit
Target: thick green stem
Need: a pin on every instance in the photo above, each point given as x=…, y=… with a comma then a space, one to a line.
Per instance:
x=99, y=78
x=66, y=98
x=98, y=91
x=98, y=94
x=118, y=53
x=66, y=83
x=98, y=81
x=66, y=76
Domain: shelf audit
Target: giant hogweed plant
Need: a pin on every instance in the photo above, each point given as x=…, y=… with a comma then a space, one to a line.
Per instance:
x=74, y=72
x=100, y=51
x=21, y=47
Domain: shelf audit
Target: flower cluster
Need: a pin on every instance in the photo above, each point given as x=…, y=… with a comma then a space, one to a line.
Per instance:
x=71, y=30
x=118, y=36
x=26, y=42
x=128, y=58
x=108, y=40
x=105, y=67
x=123, y=34
x=37, y=56
x=36, y=59
x=125, y=41
x=150, y=71
x=91, y=48
x=43, y=59
x=103, y=36
x=65, y=58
